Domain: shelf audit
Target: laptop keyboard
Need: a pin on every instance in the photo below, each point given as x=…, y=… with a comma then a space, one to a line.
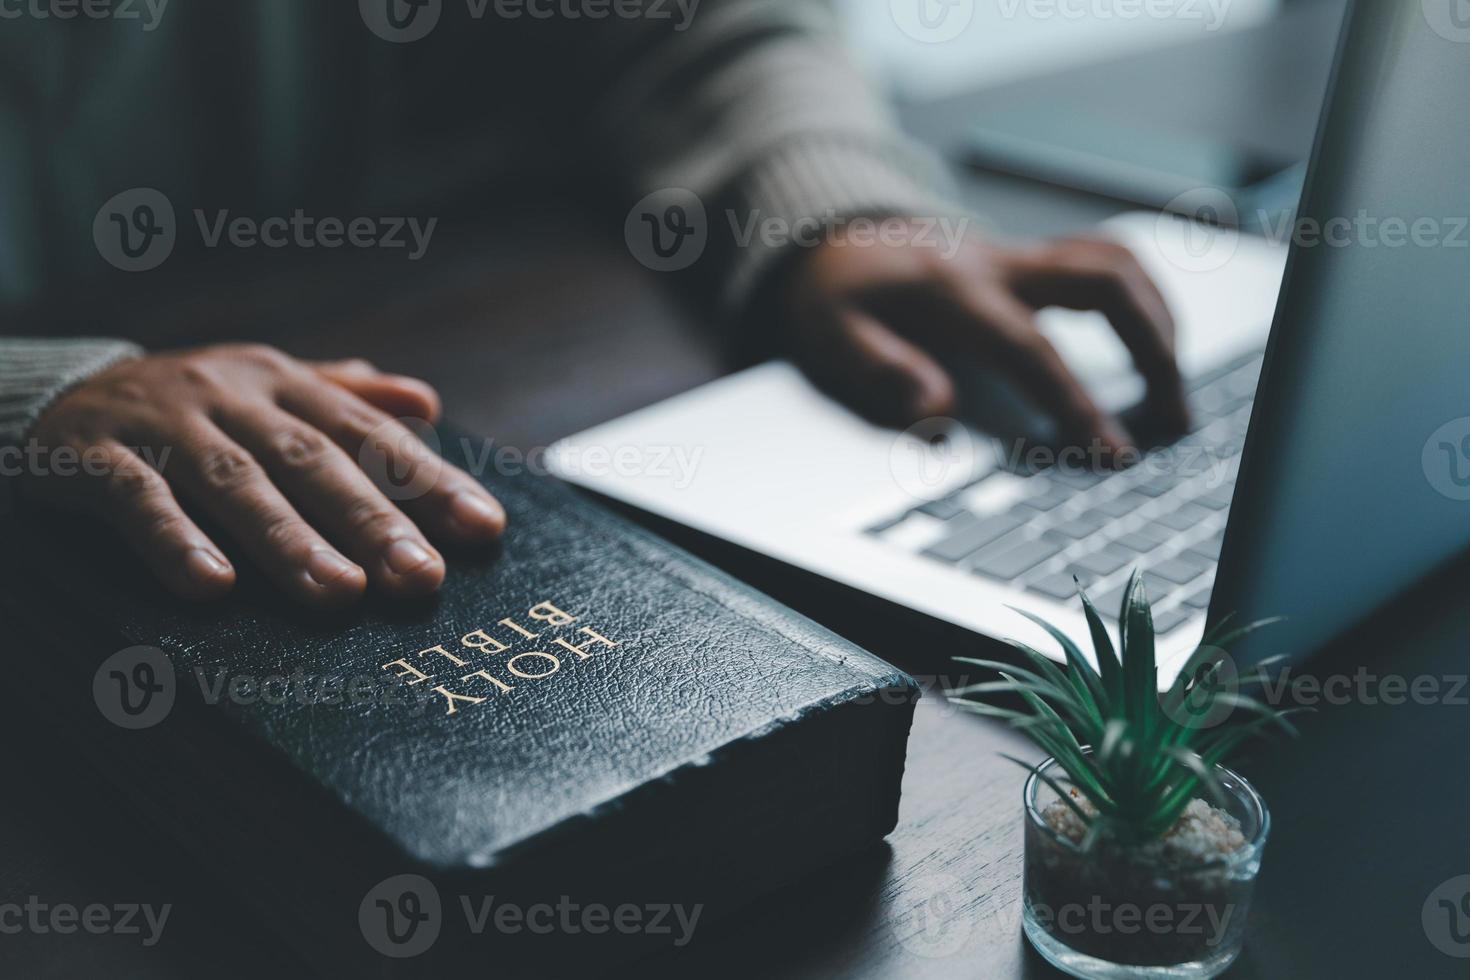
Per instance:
x=1036, y=530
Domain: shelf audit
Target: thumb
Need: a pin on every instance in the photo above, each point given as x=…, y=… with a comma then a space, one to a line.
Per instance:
x=395, y=394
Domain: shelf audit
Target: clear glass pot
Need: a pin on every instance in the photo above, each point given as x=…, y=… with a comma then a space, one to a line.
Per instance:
x=1117, y=911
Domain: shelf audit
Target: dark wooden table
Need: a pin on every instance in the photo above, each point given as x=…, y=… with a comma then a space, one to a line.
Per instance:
x=538, y=325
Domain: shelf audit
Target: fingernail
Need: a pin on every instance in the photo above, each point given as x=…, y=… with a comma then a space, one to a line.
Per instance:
x=326, y=567
x=404, y=556
x=204, y=566
x=474, y=513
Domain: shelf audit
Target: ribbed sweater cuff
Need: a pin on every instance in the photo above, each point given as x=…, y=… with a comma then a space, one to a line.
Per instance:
x=34, y=373
x=821, y=179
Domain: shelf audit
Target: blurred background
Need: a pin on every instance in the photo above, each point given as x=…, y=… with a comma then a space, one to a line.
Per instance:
x=949, y=46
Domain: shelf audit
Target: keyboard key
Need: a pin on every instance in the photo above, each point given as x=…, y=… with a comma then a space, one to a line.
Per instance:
x=973, y=536
x=1193, y=461
x=1108, y=602
x=1057, y=586
x=943, y=509
x=1143, y=540
x=1200, y=599
x=1217, y=498
x=1077, y=479
x=1103, y=563
x=887, y=524
x=1082, y=526
x=1158, y=484
x=1122, y=505
x=995, y=494
x=1171, y=619
x=1209, y=548
x=1048, y=496
x=1186, y=517
x=1136, y=544
x=1181, y=569
x=1158, y=593
x=1005, y=560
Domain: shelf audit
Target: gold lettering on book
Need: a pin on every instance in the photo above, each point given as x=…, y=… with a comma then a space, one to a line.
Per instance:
x=509, y=623
x=550, y=615
x=484, y=642
x=445, y=654
x=406, y=670
x=500, y=665
x=547, y=672
x=581, y=651
x=451, y=697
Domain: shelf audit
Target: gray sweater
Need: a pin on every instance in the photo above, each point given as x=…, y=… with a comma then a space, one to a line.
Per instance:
x=272, y=103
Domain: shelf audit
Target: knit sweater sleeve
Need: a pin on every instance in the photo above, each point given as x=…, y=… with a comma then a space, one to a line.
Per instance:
x=34, y=373
x=758, y=109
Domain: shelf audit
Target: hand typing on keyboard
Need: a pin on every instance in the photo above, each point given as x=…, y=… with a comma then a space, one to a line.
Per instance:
x=1046, y=531
x=874, y=326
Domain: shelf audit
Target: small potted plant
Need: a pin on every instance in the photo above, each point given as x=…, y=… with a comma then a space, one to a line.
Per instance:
x=1142, y=849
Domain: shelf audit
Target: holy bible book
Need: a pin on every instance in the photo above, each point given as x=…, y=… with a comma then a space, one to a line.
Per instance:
x=589, y=739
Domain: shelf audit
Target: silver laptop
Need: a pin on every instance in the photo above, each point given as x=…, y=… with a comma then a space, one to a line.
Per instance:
x=1313, y=487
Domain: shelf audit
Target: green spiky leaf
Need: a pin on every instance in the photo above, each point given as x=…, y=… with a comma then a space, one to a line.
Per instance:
x=1137, y=756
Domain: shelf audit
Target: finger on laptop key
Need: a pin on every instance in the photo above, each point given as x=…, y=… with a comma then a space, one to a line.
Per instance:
x=886, y=378
x=1015, y=340
x=1094, y=274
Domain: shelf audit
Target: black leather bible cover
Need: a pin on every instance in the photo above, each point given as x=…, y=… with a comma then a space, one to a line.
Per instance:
x=586, y=716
